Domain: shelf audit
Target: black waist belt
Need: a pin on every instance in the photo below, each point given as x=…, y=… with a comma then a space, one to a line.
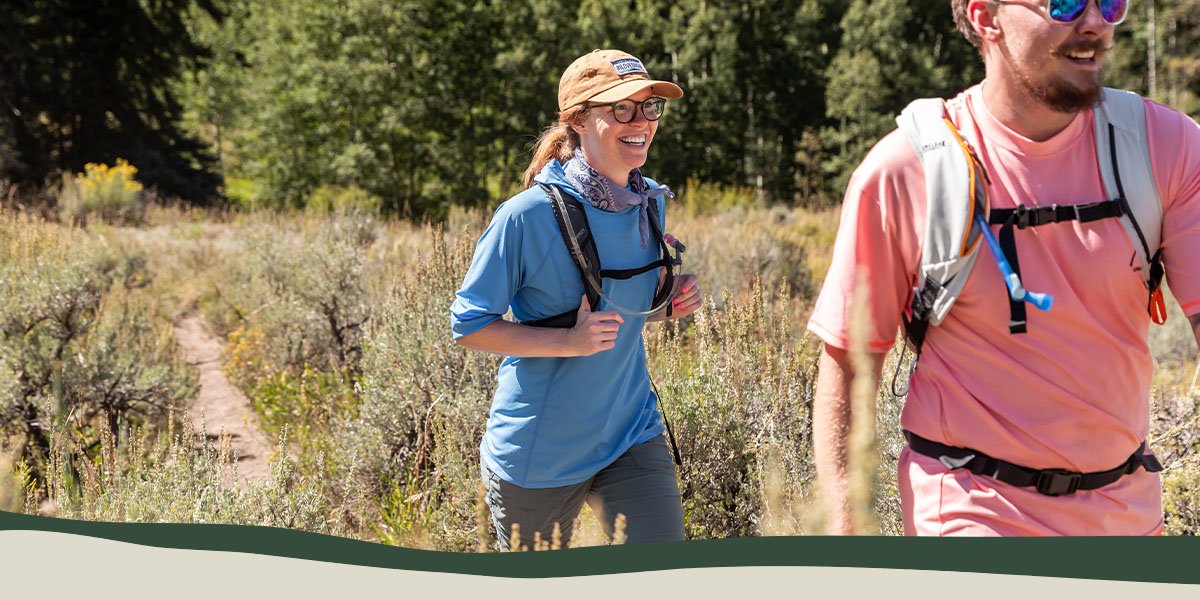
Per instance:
x=1051, y=482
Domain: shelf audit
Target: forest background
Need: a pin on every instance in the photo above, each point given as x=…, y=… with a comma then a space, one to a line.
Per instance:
x=421, y=105
x=310, y=177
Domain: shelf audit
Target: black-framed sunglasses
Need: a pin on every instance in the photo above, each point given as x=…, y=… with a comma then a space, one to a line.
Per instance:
x=624, y=110
x=1067, y=11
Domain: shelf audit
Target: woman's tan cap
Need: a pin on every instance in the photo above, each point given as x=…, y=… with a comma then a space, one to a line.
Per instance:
x=607, y=76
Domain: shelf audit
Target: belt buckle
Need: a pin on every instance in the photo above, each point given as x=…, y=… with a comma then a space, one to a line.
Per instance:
x=1021, y=213
x=1078, y=215
x=1057, y=482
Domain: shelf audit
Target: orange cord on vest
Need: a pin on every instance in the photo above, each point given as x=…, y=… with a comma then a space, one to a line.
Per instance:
x=1158, y=307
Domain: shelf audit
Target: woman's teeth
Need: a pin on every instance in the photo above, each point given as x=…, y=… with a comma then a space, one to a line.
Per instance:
x=633, y=140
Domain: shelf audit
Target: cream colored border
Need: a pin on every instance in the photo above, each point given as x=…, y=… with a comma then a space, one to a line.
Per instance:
x=38, y=564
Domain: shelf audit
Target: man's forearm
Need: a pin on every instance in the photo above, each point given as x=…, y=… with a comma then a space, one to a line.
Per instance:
x=831, y=430
x=831, y=426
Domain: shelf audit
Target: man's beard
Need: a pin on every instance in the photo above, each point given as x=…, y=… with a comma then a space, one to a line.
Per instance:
x=1059, y=94
x=1063, y=96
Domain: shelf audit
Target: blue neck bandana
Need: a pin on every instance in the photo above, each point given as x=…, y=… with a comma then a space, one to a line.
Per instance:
x=602, y=193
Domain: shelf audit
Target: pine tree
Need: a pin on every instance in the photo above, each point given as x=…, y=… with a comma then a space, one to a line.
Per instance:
x=892, y=52
x=90, y=81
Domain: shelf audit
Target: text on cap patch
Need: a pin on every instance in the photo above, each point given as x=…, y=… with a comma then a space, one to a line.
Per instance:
x=628, y=65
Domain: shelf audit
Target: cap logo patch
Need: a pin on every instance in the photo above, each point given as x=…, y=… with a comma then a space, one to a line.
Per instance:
x=624, y=66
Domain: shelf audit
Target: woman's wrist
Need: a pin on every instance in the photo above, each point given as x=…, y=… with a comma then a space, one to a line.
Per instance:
x=566, y=343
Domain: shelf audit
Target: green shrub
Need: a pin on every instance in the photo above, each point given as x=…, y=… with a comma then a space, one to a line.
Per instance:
x=12, y=480
x=77, y=343
x=107, y=193
x=307, y=404
x=242, y=192
x=703, y=199
x=304, y=291
x=1181, y=499
x=1175, y=419
x=731, y=250
x=424, y=404
x=338, y=199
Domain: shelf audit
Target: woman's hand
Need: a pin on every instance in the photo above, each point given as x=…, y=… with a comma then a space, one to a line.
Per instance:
x=594, y=331
x=686, y=300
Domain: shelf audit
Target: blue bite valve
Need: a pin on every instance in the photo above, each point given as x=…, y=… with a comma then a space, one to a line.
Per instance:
x=1016, y=291
x=1039, y=300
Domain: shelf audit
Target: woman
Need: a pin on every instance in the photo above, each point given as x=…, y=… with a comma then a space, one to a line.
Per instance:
x=574, y=419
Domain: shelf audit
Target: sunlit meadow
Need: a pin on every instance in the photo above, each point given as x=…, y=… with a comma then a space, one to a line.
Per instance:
x=335, y=324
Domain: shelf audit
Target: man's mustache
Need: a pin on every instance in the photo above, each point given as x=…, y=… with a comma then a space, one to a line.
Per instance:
x=1096, y=45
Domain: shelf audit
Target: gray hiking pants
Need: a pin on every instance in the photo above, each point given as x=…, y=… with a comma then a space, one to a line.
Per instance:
x=640, y=484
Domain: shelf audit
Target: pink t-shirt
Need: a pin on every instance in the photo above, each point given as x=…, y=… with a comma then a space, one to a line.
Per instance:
x=1073, y=392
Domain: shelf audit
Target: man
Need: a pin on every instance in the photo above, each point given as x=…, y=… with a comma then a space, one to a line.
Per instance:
x=1068, y=396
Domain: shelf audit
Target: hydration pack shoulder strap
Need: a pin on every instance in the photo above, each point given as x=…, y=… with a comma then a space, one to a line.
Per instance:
x=1123, y=154
x=577, y=236
x=951, y=247
x=955, y=190
x=572, y=221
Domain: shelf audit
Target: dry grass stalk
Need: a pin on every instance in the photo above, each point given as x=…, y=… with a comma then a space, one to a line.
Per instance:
x=862, y=450
x=783, y=515
x=11, y=483
x=483, y=520
x=619, y=536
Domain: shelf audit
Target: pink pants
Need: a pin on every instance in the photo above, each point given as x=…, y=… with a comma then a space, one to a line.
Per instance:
x=937, y=501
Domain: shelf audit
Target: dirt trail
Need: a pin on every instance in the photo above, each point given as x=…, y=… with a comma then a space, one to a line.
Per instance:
x=220, y=405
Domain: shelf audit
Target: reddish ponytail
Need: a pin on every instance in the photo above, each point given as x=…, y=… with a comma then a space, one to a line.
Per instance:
x=558, y=141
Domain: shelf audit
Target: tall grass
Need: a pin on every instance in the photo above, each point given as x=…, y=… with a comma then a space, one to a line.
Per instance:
x=415, y=436
x=164, y=477
x=862, y=448
x=737, y=386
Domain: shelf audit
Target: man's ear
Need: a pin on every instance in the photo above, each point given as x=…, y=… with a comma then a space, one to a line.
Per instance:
x=983, y=17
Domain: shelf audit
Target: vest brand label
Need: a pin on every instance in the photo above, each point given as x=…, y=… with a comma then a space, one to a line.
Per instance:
x=933, y=146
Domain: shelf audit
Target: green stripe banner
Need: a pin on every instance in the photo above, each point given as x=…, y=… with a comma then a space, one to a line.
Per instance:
x=1158, y=559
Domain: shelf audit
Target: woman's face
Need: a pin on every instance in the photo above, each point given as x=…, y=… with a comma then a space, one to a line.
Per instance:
x=615, y=148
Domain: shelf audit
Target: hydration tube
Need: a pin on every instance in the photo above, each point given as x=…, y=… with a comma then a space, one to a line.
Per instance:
x=612, y=305
x=629, y=312
x=1011, y=280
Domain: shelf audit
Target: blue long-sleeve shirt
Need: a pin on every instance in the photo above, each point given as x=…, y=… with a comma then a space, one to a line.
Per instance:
x=558, y=421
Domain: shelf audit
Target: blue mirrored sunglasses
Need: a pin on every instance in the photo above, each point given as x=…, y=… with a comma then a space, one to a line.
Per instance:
x=1067, y=11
